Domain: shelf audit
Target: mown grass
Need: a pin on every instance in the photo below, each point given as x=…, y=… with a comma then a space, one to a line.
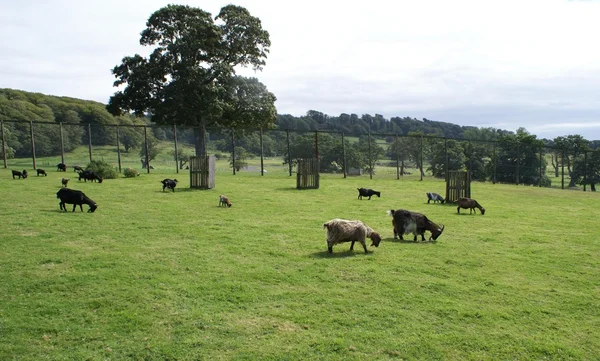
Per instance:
x=157, y=276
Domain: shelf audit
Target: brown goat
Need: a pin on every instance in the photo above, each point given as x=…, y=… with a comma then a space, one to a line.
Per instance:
x=470, y=204
x=406, y=222
x=342, y=230
x=65, y=181
x=224, y=201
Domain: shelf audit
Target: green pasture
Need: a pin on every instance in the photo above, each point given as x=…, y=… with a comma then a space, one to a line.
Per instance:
x=155, y=275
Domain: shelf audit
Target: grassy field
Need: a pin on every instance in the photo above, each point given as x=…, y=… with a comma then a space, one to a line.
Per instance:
x=172, y=276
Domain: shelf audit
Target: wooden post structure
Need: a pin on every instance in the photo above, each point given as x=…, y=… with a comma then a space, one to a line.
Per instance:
x=90, y=140
x=262, y=164
x=371, y=163
x=317, y=144
x=494, y=174
x=32, y=143
x=202, y=172
x=146, y=149
x=62, y=144
x=421, y=163
x=176, y=148
x=458, y=185
x=119, y=147
x=584, y=170
x=446, y=160
x=344, y=156
x=397, y=158
x=3, y=143
x=518, y=161
x=233, y=150
x=540, y=182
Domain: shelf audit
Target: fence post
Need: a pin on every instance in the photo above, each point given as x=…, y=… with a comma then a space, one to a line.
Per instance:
x=146, y=149
x=344, y=156
x=62, y=144
x=518, y=161
x=494, y=173
x=287, y=133
x=3, y=143
x=584, y=170
x=316, y=144
x=90, y=140
x=446, y=160
x=397, y=158
x=370, y=159
x=562, y=165
x=233, y=150
x=176, y=148
x=262, y=164
x=421, y=165
x=32, y=143
x=119, y=147
x=540, y=181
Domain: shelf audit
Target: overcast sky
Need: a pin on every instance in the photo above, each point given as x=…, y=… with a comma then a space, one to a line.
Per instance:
x=503, y=64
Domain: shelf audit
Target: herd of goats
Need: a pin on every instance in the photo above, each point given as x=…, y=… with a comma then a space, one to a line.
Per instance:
x=404, y=222
x=338, y=230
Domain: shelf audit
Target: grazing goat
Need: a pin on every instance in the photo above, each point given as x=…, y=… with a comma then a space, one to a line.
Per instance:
x=16, y=173
x=76, y=198
x=89, y=175
x=406, y=222
x=65, y=181
x=470, y=204
x=366, y=192
x=224, y=201
x=41, y=171
x=77, y=168
x=61, y=167
x=169, y=184
x=435, y=198
x=341, y=230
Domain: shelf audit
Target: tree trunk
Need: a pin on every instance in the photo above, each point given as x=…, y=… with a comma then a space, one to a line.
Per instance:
x=200, y=140
x=554, y=165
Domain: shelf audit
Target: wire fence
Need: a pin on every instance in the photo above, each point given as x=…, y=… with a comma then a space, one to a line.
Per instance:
x=166, y=149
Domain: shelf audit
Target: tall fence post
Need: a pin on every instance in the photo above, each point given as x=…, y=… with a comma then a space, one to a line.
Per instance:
x=494, y=172
x=584, y=170
x=287, y=134
x=146, y=149
x=262, y=158
x=119, y=147
x=371, y=163
x=176, y=148
x=562, y=165
x=397, y=158
x=317, y=144
x=233, y=150
x=421, y=156
x=446, y=159
x=344, y=156
x=32, y=143
x=540, y=181
x=518, y=161
x=62, y=144
x=3, y=143
x=90, y=140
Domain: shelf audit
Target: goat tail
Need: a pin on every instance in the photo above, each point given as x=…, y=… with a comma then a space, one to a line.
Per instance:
x=391, y=212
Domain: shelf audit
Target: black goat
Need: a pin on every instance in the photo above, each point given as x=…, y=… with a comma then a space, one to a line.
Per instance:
x=41, y=171
x=88, y=175
x=169, y=184
x=366, y=192
x=61, y=167
x=16, y=173
x=435, y=198
x=76, y=198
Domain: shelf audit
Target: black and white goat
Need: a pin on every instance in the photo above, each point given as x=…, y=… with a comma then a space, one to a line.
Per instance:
x=169, y=184
x=435, y=198
x=76, y=198
x=366, y=192
x=406, y=222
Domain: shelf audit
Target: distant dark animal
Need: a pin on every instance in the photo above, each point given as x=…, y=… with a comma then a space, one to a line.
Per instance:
x=342, y=230
x=406, y=222
x=76, y=198
x=366, y=192
x=41, y=171
x=61, y=167
x=435, y=198
x=77, y=168
x=65, y=181
x=169, y=184
x=88, y=175
x=224, y=201
x=16, y=173
x=470, y=204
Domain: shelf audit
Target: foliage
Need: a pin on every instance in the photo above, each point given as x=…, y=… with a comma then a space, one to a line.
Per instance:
x=130, y=173
x=103, y=169
x=241, y=157
x=518, y=155
x=189, y=78
x=437, y=157
x=153, y=149
x=586, y=170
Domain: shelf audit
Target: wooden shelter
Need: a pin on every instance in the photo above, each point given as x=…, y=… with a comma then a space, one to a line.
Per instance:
x=307, y=174
x=458, y=185
x=202, y=172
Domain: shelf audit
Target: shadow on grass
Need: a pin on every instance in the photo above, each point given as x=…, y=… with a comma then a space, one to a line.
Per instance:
x=342, y=254
x=409, y=241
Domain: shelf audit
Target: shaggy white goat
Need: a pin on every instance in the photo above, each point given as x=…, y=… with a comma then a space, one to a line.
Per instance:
x=342, y=230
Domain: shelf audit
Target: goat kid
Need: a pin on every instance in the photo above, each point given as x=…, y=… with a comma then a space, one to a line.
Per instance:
x=367, y=192
x=65, y=181
x=224, y=201
x=470, y=204
x=406, y=222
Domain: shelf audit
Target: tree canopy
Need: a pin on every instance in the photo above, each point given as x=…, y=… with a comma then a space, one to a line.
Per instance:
x=189, y=78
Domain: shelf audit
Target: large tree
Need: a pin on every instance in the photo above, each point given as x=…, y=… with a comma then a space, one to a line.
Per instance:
x=189, y=78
